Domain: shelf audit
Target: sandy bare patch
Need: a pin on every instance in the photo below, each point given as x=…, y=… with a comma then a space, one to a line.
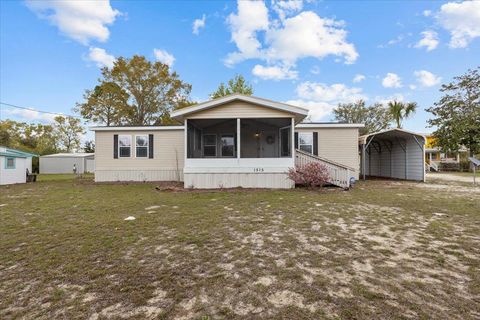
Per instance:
x=226, y=266
x=286, y=298
x=152, y=208
x=265, y=281
x=89, y=297
x=158, y=296
x=188, y=304
x=243, y=309
x=118, y=311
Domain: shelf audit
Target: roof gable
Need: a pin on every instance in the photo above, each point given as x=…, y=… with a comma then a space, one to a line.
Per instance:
x=297, y=111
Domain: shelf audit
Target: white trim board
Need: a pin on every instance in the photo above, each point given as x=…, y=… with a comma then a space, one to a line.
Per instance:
x=139, y=128
x=329, y=125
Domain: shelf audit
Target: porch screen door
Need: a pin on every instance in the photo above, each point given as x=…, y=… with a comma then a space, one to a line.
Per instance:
x=285, y=137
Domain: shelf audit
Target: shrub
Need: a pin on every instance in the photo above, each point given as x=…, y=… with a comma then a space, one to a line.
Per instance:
x=464, y=165
x=449, y=166
x=311, y=175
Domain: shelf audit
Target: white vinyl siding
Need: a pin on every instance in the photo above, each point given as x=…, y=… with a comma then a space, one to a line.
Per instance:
x=337, y=144
x=168, y=153
x=239, y=109
x=13, y=175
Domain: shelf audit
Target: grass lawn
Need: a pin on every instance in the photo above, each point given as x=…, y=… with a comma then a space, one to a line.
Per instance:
x=389, y=250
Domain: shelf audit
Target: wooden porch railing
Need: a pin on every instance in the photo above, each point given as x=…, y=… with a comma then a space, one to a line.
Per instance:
x=339, y=173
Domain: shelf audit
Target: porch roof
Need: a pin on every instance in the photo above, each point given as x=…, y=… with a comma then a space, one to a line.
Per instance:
x=299, y=113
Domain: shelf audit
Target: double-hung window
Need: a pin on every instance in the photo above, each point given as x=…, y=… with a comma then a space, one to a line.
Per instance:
x=10, y=163
x=141, y=146
x=210, y=145
x=124, y=146
x=228, y=145
x=305, y=141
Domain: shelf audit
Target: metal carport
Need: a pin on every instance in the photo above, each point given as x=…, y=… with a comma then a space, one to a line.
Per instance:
x=393, y=153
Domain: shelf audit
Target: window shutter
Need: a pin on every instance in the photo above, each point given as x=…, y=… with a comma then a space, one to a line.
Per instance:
x=315, y=143
x=296, y=140
x=115, y=146
x=150, y=146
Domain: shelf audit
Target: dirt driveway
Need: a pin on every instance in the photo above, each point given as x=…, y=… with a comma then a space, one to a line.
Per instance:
x=455, y=177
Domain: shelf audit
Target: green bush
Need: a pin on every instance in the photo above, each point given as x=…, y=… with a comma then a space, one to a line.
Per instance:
x=449, y=166
x=464, y=165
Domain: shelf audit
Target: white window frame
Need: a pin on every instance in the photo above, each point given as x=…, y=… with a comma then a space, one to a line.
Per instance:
x=147, y=146
x=305, y=144
x=119, y=146
x=209, y=145
x=221, y=146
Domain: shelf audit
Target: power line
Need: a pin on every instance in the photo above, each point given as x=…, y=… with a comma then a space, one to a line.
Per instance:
x=40, y=111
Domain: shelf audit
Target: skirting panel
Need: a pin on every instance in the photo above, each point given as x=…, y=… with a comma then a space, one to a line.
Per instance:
x=138, y=175
x=235, y=180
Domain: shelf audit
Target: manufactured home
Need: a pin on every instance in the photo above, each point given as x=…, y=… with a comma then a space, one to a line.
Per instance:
x=233, y=141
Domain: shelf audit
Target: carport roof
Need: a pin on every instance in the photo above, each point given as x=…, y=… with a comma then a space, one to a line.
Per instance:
x=389, y=134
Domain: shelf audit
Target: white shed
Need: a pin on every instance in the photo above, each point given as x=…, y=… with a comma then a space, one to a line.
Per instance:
x=63, y=163
x=393, y=153
x=13, y=166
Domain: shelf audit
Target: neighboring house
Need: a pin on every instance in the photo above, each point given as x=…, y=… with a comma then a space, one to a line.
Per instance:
x=233, y=141
x=436, y=158
x=14, y=165
x=63, y=163
x=394, y=154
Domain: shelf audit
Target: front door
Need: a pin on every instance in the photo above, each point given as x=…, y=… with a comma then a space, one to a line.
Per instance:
x=268, y=140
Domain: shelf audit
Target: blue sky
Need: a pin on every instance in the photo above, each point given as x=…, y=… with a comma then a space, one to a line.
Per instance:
x=302, y=52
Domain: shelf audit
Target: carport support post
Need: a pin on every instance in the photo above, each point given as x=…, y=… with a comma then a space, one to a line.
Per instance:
x=363, y=161
x=365, y=146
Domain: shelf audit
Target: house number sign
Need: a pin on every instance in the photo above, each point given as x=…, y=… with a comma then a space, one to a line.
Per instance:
x=258, y=170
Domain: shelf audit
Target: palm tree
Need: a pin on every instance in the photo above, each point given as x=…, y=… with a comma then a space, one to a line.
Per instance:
x=401, y=111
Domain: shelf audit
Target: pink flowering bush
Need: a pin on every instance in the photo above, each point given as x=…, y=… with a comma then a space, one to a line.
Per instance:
x=311, y=175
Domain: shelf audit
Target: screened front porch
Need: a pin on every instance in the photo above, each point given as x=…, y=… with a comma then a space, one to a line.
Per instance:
x=239, y=138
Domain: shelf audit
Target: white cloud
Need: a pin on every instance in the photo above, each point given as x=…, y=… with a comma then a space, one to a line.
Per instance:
x=426, y=78
x=164, y=57
x=395, y=41
x=427, y=13
x=282, y=43
x=429, y=40
x=31, y=115
x=82, y=21
x=252, y=17
x=198, y=24
x=317, y=110
x=462, y=20
x=358, y=78
x=274, y=72
x=412, y=86
x=321, y=98
x=392, y=80
x=101, y=57
x=284, y=8
x=308, y=35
